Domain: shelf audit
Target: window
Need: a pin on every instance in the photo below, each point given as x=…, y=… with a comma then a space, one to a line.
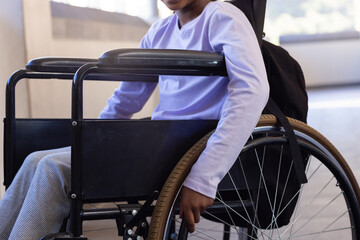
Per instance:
x=283, y=17
x=149, y=10
x=311, y=17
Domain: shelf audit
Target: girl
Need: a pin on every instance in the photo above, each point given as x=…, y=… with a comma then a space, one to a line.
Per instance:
x=37, y=201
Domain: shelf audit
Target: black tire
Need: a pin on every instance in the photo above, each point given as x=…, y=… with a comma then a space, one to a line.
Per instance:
x=268, y=203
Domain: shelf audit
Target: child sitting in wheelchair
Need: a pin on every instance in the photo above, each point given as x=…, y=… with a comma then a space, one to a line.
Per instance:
x=37, y=201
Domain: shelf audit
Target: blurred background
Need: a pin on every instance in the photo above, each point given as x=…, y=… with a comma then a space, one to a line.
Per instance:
x=323, y=35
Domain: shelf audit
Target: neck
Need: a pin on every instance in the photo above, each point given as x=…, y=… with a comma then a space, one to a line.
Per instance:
x=191, y=11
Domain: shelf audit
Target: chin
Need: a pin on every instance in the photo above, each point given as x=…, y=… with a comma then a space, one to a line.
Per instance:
x=172, y=4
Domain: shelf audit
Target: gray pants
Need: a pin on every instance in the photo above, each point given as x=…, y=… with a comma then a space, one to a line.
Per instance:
x=36, y=203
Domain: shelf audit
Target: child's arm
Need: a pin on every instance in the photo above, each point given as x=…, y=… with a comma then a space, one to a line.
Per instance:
x=129, y=97
x=230, y=33
x=191, y=205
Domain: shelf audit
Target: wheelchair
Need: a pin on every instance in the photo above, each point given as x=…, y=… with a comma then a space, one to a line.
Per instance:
x=145, y=162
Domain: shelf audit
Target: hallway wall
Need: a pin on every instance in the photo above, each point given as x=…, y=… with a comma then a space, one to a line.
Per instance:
x=64, y=30
x=326, y=59
x=12, y=48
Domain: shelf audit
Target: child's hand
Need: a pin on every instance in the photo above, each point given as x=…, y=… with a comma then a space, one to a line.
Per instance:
x=191, y=205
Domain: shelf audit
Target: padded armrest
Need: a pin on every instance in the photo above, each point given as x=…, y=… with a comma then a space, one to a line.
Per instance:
x=160, y=58
x=56, y=64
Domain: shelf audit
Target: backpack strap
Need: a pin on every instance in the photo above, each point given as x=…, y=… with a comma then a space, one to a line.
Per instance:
x=273, y=108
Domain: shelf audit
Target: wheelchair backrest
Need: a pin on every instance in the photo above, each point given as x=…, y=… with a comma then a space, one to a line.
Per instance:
x=255, y=12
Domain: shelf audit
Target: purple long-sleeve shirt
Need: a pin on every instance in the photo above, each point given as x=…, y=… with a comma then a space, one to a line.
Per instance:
x=237, y=100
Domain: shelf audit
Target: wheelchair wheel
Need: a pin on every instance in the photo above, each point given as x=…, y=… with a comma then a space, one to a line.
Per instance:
x=260, y=197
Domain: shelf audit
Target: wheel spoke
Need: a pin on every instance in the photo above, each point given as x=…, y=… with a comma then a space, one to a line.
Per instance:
x=318, y=212
x=295, y=195
x=301, y=191
x=326, y=228
x=232, y=220
x=316, y=233
x=225, y=204
x=308, y=204
x=256, y=219
x=222, y=221
x=276, y=189
x=260, y=165
x=242, y=202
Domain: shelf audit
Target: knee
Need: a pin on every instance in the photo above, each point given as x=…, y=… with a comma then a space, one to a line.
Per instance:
x=50, y=158
x=57, y=164
x=56, y=169
x=32, y=160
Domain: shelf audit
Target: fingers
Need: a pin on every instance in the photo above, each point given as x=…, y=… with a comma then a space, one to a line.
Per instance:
x=187, y=212
x=189, y=216
x=181, y=211
x=191, y=205
x=196, y=215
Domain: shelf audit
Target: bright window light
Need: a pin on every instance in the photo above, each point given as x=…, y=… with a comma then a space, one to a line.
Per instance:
x=145, y=9
x=282, y=17
x=311, y=17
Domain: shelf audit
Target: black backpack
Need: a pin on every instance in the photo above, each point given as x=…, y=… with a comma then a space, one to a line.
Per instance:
x=286, y=80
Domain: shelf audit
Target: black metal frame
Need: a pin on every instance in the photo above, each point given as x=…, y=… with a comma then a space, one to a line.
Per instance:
x=41, y=68
x=111, y=66
x=145, y=65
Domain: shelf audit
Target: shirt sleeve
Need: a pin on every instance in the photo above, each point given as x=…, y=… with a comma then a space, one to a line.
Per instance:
x=129, y=97
x=231, y=34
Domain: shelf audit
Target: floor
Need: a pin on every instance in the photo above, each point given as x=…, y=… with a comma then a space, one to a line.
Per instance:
x=334, y=112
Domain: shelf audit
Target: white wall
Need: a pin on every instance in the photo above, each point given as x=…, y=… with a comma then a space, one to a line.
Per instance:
x=12, y=48
x=47, y=35
x=329, y=59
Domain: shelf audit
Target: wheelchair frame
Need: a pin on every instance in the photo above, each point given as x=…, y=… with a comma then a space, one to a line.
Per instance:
x=144, y=65
x=186, y=132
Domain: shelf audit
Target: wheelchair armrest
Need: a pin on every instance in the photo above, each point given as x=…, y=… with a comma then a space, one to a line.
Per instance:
x=212, y=63
x=57, y=64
